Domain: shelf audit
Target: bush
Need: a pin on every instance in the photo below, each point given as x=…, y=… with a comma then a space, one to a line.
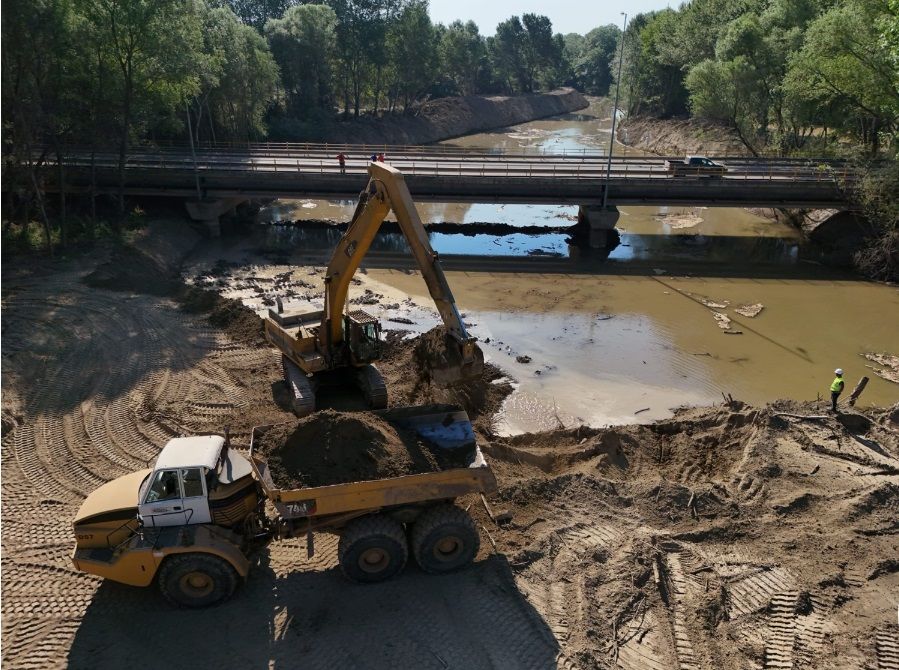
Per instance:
x=878, y=196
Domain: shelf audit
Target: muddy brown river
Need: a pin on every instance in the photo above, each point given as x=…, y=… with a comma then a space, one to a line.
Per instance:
x=609, y=344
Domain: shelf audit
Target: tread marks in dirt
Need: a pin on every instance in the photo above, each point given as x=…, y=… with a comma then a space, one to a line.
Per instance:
x=91, y=376
x=886, y=643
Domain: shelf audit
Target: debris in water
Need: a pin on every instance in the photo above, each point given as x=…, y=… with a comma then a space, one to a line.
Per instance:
x=679, y=221
x=710, y=303
x=523, y=359
x=722, y=319
x=890, y=363
x=750, y=310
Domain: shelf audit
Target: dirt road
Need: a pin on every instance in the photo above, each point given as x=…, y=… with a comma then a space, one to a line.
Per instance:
x=727, y=537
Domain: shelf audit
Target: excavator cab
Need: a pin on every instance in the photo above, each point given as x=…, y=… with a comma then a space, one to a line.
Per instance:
x=363, y=334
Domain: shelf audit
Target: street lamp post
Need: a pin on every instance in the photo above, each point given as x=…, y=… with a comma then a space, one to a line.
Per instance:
x=605, y=192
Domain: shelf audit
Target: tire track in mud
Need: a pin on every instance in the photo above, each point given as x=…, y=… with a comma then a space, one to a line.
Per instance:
x=683, y=646
x=782, y=626
x=559, y=593
x=886, y=644
x=90, y=364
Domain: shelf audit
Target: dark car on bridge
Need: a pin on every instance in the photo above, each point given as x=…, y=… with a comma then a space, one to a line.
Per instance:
x=695, y=166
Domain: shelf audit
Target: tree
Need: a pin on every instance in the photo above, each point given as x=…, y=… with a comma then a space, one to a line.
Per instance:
x=152, y=45
x=303, y=44
x=593, y=63
x=43, y=64
x=412, y=51
x=843, y=62
x=507, y=55
x=462, y=55
x=242, y=78
x=257, y=13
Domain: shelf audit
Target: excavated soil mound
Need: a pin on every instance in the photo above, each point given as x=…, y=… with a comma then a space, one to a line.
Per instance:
x=232, y=316
x=331, y=447
x=406, y=366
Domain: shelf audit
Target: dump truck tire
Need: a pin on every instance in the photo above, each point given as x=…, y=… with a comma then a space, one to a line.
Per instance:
x=444, y=538
x=196, y=580
x=372, y=549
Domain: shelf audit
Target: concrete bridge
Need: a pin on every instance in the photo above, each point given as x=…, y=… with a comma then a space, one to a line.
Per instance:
x=214, y=179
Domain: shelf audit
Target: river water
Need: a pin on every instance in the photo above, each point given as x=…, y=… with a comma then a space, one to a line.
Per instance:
x=630, y=337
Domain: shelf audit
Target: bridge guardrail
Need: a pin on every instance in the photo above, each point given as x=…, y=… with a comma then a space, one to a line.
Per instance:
x=581, y=170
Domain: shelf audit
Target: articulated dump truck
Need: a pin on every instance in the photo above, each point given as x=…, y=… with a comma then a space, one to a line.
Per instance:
x=192, y=522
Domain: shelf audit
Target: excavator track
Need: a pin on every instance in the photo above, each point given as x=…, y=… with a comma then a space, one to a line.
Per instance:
x=372, y=385
x=302, y=391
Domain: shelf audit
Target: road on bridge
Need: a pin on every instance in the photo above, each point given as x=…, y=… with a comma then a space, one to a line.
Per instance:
x=442, y=173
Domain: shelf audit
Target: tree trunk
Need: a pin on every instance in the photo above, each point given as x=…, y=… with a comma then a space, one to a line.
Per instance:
x=93, y=191
x=123, y=144
x=48, y=238
x=62, y=195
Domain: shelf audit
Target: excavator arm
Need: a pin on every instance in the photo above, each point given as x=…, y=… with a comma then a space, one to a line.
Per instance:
x=387, y=190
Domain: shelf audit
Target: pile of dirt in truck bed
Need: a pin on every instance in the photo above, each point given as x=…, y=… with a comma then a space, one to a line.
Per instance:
x=332, y=447
x=405, y=366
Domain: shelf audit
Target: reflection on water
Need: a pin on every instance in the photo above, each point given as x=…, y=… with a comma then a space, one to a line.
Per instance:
x=642, y=248
x=586, y=131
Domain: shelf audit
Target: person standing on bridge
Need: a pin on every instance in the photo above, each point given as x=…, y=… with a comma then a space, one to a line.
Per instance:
x=836, y=388
x=341, y=158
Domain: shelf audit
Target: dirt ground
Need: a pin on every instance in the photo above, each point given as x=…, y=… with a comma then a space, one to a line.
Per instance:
x=725, y=537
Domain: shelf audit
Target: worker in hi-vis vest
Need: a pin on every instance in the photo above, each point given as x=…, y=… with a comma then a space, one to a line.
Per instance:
x=836, y=388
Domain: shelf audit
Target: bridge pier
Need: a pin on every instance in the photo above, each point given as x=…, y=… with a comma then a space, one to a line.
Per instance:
x=208, y=212
x=599, y=226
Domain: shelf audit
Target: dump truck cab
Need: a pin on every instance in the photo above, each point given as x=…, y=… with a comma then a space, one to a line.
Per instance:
x=177, y=491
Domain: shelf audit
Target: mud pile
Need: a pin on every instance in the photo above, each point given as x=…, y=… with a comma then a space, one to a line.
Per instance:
x=406, y=366
x=331, y=447
x=725, y=537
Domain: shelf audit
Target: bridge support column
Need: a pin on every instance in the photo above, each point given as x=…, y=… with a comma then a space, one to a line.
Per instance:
x=599, y=225
x=208, y=212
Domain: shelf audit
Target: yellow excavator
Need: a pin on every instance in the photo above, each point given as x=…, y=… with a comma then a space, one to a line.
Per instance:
x=324, y=345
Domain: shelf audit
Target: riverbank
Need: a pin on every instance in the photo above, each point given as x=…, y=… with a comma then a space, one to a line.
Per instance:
x=440, y=119
x=696, y=538
x=680, y=137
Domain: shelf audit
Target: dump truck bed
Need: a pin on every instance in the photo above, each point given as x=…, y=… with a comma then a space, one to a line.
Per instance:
x=446, y=426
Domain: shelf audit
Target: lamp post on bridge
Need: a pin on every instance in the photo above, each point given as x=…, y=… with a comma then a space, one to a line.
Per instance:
x=605, y=193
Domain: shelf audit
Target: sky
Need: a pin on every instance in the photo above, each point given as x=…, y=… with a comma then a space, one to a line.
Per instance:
x=567, y=16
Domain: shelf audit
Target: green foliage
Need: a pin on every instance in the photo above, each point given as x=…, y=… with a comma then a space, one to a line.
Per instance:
x=463, y=53
x=413, y=51
x=878, y=196
x=302, y=43
x=526, y=55
x=593, y=61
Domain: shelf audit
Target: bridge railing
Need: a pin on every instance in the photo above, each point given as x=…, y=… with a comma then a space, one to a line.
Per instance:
x=429, y=167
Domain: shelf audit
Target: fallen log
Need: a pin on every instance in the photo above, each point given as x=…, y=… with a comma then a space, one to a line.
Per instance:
x=857, y=391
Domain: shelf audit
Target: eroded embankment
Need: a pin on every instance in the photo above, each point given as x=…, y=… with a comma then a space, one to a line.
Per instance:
x=444, y=119
x=680, y=137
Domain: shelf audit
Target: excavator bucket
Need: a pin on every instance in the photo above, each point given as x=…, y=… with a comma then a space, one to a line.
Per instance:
x=447, y=360
x=445, y=426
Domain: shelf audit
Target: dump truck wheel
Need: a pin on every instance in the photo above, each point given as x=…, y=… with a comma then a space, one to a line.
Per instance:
x=372, y=549
x=196, y=580
x=444, y=538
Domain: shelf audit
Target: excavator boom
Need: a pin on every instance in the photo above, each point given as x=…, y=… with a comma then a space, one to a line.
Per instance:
x=387, y=191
